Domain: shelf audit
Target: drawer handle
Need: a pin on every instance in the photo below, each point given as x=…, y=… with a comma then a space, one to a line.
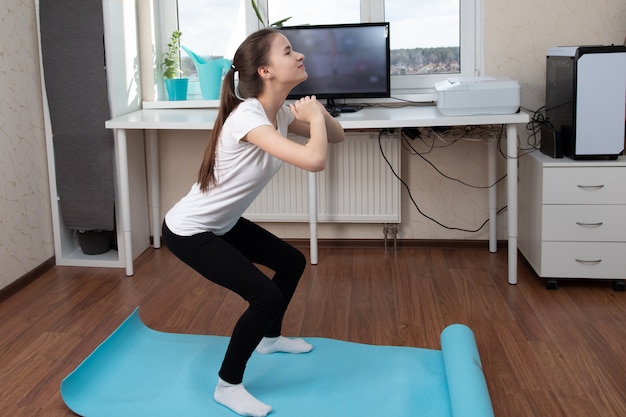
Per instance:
x=589, y=262
x=591, y=187
x=598, y=224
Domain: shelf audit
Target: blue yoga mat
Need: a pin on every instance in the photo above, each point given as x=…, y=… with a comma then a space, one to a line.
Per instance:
x=140, y=372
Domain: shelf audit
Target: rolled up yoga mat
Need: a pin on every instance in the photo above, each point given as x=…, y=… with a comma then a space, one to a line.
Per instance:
x=141, y=372
x=467, y=387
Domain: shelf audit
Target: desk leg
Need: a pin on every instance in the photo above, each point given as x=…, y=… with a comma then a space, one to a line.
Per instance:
x=153, y=180
x=124, y=197
x=492, y=153
x=511, y=183
x=313, y=215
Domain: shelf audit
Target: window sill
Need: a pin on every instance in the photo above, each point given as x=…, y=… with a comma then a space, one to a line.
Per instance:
x=182, y=104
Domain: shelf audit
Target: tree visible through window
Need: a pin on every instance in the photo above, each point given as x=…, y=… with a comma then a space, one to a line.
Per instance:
x=424, y=36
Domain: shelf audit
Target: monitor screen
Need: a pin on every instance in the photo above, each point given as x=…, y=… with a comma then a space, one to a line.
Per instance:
x=342, y=61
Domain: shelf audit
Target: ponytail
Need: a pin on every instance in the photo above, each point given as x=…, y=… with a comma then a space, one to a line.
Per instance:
x=250, y=55
x=228, y=103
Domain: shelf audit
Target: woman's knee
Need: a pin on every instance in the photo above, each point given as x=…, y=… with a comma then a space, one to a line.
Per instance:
x=296, y=263
x=270, y=298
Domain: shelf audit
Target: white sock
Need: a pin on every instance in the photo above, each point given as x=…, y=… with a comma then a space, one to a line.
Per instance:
x=283, y=344
x=238, y=399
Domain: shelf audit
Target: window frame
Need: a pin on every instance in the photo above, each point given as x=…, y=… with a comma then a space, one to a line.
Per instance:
x=404, y=87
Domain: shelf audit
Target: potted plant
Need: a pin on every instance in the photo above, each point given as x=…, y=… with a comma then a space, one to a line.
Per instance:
x=175, y=86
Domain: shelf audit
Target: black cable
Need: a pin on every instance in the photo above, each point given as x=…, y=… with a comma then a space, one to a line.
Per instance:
x=395, y=174
x=421, y=155
x=537, y=121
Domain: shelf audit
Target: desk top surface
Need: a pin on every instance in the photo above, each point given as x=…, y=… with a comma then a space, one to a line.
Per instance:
x=366, y=118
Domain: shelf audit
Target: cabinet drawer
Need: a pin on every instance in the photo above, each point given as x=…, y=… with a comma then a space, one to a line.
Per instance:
x=584, y=185
x=584, y=223
x=583, y=260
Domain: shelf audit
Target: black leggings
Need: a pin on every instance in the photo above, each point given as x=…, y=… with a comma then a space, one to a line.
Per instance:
x=228, y=260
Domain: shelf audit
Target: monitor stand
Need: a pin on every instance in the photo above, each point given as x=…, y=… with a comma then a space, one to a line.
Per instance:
x=336, y=109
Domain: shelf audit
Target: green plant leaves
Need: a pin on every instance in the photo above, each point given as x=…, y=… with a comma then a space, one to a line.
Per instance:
x=171, y=58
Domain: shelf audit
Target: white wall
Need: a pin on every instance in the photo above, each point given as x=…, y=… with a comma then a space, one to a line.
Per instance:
x=25, y=219
x=517, y=35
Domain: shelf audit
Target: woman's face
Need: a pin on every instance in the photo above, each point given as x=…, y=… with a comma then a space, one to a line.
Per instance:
x=286, y=65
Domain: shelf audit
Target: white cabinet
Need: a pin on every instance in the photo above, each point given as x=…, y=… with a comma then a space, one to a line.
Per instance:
x=572, y=217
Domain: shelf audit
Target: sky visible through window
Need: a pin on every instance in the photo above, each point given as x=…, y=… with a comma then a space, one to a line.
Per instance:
x=211, y=27
x=423, y=23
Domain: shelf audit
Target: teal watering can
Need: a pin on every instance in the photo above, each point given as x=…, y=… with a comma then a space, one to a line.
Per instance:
x=210, y=73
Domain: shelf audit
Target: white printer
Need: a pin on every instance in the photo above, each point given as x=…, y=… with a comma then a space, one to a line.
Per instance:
x=469, y=96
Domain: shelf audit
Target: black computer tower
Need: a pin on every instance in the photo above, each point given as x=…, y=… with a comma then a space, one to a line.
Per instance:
x=586, y=100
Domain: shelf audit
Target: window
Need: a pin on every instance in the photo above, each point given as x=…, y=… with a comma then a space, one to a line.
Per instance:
x=430, y=39
x=425, y=42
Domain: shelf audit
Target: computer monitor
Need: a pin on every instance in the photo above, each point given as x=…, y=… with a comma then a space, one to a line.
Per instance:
x=343, y=61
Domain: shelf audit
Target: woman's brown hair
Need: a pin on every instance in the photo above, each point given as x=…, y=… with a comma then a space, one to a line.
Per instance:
x=251, y=54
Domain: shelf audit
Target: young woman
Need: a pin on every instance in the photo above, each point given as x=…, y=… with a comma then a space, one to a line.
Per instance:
x=205, y=229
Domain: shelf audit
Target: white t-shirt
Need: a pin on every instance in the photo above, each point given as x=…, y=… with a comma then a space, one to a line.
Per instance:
x=242, y=170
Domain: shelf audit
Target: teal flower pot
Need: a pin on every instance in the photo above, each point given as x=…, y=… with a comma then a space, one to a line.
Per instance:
x=176, y=88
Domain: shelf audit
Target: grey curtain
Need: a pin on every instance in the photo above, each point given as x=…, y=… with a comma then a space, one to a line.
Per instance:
x=72, y=42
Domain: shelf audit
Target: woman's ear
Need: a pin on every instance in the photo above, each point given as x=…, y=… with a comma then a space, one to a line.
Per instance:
x=264, y=72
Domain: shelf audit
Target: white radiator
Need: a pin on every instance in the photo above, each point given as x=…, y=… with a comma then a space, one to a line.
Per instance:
x=357, y=185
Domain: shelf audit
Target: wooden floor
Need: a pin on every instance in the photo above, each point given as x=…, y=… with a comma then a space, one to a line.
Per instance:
x=544, y=352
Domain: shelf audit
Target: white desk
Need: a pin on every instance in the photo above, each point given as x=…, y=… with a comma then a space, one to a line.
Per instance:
x=152, y=120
